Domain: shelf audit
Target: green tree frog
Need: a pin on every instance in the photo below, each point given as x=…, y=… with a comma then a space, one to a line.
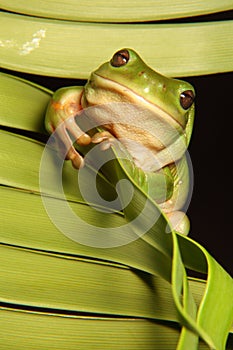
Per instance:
x=153, y=119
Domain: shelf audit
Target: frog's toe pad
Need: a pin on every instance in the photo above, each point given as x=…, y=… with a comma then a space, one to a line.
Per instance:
x=76, y=159
x=105, y=138
x=84, y=140
x=179, y=222
x=102, y=136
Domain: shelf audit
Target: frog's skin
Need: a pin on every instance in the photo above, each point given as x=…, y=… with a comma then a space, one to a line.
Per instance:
x=162, y=126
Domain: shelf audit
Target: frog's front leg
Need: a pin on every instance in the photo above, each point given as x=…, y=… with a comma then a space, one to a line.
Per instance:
x=60, y=116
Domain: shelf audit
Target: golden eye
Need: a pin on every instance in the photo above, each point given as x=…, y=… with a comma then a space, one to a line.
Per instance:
x=186, y=99
x=120, y=58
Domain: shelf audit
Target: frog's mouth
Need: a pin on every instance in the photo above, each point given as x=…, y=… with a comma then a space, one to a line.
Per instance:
x=134, y=98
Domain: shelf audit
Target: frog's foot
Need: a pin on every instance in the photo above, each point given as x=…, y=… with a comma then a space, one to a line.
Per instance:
x=104, y=137
x=69, y=126
x=179, y=222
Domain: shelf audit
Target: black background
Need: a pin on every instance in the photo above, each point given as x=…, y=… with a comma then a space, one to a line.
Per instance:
x=210, y=209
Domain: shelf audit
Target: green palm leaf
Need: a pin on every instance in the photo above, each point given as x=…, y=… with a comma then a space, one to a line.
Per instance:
x=36, y=47
x=109, y=11
x=156, y=252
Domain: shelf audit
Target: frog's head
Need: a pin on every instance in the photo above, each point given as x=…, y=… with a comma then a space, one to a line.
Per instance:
x=126, y=78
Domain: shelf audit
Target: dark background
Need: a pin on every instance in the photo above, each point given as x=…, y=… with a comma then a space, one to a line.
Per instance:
x=210, y=209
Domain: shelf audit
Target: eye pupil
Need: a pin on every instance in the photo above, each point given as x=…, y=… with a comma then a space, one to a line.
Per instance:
x=186, y=99
x=120, y=58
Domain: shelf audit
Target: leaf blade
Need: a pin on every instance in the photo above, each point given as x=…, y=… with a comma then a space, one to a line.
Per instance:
x=109, y=11
x=210, y=54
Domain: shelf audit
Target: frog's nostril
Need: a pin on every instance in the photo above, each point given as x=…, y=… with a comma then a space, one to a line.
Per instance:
x=141, y=73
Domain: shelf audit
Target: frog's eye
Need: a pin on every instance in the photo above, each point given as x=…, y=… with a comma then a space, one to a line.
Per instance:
x=120, y=58
x=187, y=98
